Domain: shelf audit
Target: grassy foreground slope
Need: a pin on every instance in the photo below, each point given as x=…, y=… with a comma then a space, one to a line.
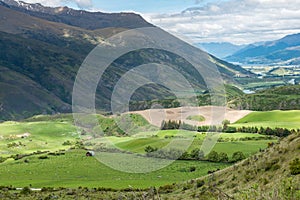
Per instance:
x=281, y=119
x=266, y=175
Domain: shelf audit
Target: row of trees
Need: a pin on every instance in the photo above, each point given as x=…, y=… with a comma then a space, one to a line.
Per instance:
x=195, y=154
x=280, y=132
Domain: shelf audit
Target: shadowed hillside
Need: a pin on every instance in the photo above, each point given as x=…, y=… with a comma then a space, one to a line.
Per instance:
x=44, y=47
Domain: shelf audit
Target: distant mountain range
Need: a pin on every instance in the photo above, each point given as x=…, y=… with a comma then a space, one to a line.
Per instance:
x=42, y=49
x=220, y=49
x=284, y=51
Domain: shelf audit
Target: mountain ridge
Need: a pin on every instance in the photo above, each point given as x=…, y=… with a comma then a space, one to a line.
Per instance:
x=79, y=18
x=49, y=53
x=282, y=51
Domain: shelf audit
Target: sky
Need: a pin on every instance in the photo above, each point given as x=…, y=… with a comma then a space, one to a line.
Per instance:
x=235, y=21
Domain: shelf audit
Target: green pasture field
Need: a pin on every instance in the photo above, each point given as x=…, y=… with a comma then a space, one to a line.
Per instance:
x=231, y=145
x=43, y=136
x=198, y=118
x=272, y=119
x=74, y=169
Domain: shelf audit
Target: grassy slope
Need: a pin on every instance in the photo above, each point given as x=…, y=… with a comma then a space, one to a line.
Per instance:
x=282, y=119
x=249, y=179
x=75, y=169
x=44, y=136
x=50, y=132
x=165, y=137
x=265, y=175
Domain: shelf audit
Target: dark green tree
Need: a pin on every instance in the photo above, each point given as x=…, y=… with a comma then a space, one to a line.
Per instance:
x=197, y=154
x=213, y=156
x=237, y=156
x=223, y=157
x=149, y=149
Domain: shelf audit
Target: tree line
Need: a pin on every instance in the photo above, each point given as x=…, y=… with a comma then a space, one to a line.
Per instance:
x=225, y=128
x=195, y=154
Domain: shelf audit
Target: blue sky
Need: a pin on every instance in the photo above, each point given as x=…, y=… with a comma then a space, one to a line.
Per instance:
x=235, y=21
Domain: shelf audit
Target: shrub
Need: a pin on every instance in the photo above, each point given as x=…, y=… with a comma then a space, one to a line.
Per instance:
x=237, y=156
x=264, y=181
x=223, y=157
x=213, y=156
x=192, y=169
x=295, y=166
x=43, y=157
x=185, y=156
x=200, y=183
x=197, y=154
x=2, y=159
x=67, y=143
x=26, y=190
x=166, y=188
x=275, y=167
x=272, y=165
x=149, y=149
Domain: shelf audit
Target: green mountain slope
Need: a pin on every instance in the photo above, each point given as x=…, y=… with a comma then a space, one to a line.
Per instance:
x=280, y=98
x=48, y=54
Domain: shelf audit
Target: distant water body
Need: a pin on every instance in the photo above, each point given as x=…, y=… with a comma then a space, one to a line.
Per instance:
x=248, y=91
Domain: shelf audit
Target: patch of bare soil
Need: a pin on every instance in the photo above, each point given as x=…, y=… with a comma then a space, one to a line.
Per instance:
x=214, y=115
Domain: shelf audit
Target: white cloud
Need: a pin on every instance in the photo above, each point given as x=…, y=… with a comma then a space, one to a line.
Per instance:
x=84, y=3
x=237, y=21
x=80, y=3
x=198, y=1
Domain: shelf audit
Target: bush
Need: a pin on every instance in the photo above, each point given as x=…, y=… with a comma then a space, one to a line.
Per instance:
x=2, y=159
x=213, y=156
x=43, y=157
x=295, y=166
x=237, y=156
x=166, y=188
x=67, y=143
x=272, y=165
x=149, y=149
x=200, y=183
x=197, y=154
x=26, y=190
x=185, y=156
x=223, y=157
x=192, y=169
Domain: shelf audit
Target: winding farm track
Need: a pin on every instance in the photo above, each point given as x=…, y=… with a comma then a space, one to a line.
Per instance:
x=214, y=115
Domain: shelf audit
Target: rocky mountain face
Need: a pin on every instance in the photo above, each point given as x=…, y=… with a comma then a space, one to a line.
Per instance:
x=42, y=49
x=79, y=18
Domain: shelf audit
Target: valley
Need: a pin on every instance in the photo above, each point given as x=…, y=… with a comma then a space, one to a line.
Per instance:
x=53, y=145
x=165, y=119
